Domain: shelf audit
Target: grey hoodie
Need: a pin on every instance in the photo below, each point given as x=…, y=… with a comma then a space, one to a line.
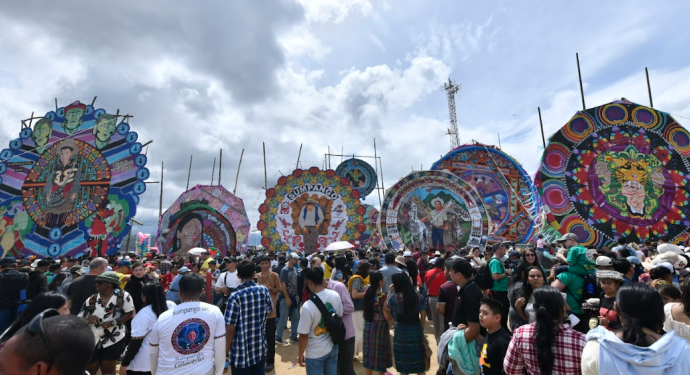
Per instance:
x=669, y=355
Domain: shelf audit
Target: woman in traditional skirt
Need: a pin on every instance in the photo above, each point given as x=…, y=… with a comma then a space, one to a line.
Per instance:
x=408, y=342
x=377, y=338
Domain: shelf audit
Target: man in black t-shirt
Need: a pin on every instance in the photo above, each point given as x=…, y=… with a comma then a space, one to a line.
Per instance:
x=84, y=287
x=466, y=311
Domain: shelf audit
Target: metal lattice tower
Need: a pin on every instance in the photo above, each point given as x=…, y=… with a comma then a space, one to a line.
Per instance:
x=452, y=89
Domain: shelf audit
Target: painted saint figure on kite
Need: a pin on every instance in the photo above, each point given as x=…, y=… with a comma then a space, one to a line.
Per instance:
x=309, y=210
x=69, y=188
x=506, y=188
x=433, y=210
x=617, y=170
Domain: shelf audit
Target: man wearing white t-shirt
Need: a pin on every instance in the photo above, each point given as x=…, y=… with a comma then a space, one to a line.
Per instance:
x=189, y=339
x=321, y=357
x=227, y=282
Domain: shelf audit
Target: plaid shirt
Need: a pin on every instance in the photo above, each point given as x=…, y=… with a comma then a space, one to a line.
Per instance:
x=247, y=309
x=522, y=351
x=165, y=266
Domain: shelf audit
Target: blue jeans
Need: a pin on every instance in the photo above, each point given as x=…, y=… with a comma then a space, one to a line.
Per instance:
x=437, y=237
x=294, y=318
x=256, y=369
x=326, y=365
x=7, y=316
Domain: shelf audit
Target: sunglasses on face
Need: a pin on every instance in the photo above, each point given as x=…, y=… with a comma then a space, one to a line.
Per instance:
x=36, y=328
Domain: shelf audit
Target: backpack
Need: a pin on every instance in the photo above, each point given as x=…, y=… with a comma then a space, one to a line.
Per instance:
x=590, y=289
x=483, y=278
x=334, y=323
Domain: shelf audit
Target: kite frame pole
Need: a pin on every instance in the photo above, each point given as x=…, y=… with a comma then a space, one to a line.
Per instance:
x=237, y=177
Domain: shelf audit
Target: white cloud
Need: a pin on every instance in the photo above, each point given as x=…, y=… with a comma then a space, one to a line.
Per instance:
x=377, y=42
x=322, y=11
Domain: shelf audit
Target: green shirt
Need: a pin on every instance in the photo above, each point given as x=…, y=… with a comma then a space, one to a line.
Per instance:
x=496, y=266
x=578, y=261
x=573, y=290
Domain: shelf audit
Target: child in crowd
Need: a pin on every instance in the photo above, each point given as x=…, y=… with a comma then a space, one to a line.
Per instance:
x=580, y=261
x=497, y=339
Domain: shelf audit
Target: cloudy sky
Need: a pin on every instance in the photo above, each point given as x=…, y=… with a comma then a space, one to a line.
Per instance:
x=201, y=76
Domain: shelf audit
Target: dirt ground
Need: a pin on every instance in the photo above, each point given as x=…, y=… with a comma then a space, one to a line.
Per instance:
x=286, y=357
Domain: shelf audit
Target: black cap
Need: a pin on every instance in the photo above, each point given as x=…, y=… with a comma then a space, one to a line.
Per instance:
x=231, y=260
x=6, y=261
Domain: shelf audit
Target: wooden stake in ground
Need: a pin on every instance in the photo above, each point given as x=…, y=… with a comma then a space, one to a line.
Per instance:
x=237, y=177
x=220, y=165
x=579, y=75
x=189, y=172
x=299, y=154
x=213, y=170
x=160, y=200
x=541, y=125
x=649, y=88
x=376, y=168
x=265, y=171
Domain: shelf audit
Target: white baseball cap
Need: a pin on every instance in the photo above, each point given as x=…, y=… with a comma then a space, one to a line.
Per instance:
x=407, y=253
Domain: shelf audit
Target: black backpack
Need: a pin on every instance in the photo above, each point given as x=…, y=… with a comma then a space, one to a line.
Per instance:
x=334, y=323
x=591, y=288
x=483, y=278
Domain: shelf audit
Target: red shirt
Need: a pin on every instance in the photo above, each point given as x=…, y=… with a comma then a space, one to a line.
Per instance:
x=167, y=279
x=522, y=351
x=435, y=284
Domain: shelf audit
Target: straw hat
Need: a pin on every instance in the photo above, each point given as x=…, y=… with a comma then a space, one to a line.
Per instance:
x=610, y=275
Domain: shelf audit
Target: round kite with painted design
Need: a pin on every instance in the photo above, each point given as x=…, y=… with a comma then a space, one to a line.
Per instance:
x=620, y=169
x=70, y=184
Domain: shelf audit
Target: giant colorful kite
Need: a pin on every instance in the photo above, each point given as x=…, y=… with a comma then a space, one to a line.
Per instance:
x=206, y=217
x=308, y=210
x=433, y=209
x=507, y=190
x=361, y=175
x=370, y=237
x=70, y=185
x=620, y=169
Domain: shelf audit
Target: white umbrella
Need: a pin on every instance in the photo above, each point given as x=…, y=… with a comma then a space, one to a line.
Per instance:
x=340, y=245
x=197, y=251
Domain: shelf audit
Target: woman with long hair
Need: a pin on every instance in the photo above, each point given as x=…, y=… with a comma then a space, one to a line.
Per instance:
x=340, y=271
x=40, y=303
x=640, y=346
x=408, y=343
x=377, y=339
x=413, y=271
x=678, y=314
x=136, y=358
x=547, y=346
x=357, y=285
x=522, y=303
x=529, y=257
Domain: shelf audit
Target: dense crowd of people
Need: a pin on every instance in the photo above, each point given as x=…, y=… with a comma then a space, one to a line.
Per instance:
x=548, y=309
